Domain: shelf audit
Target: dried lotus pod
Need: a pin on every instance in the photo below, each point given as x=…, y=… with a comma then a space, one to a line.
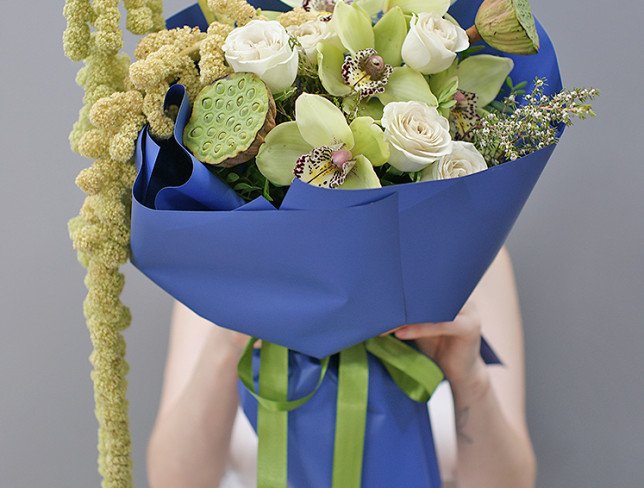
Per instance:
x=506, y=25
x=230, y=120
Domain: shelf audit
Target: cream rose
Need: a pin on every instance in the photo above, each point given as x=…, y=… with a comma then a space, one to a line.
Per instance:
x=432, y=43
x=417, y=135
x=262, y=47
x=309, y=34
x=464, y=160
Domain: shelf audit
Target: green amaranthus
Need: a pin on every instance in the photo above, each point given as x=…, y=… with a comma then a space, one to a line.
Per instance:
x=106, y=131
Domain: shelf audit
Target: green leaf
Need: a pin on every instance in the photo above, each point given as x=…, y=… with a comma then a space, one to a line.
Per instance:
x=321, y=123
x=439, y=7
x=266, y=191
x=445, y=84
x=470, y=51
x=277, y=156
x=362, y=175
x=330, y=59
x=353, y=26
x=484, y=75
x=390, y=33
x=245, y=187
x=406, y=84
x=369, y=141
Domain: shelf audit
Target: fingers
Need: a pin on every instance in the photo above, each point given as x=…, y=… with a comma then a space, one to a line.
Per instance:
x=466, y=323
x=390, y=331
x=427, y=329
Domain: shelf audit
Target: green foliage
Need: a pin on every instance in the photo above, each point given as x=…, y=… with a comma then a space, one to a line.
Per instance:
x=391, y=176
x=508, y=104
x=512, y=130
x=249, y=183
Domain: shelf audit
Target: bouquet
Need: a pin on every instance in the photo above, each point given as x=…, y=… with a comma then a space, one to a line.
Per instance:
x=311, y=175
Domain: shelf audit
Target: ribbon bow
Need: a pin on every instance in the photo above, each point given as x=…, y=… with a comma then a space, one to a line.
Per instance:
x=414, y=373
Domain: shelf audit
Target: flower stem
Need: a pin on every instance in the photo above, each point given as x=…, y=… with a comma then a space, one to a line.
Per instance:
x=473, y=34
x=190, y=50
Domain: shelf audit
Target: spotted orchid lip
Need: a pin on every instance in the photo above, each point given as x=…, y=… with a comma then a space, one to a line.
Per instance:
x=324, y=166
x=366, y=73
x=463, y=116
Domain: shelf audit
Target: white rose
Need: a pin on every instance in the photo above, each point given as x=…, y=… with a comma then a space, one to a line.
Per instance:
x=309, y=34
x=262, y=47
x=432, y=43
x=464, y=160
x=417, y=135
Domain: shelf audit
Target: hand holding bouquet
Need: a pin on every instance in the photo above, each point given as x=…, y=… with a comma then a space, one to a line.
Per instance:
x=310, y=177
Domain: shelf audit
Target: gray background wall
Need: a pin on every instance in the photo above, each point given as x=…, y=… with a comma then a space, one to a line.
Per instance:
x=578, y=253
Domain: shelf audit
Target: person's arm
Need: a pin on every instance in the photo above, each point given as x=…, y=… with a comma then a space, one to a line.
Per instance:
x=494, y=447
x=190, y=441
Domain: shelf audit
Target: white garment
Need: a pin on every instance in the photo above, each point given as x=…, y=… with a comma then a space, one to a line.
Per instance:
x=243, y=449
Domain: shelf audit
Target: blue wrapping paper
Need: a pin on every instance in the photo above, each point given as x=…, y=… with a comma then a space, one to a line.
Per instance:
x=329, y=269
x=382, y=258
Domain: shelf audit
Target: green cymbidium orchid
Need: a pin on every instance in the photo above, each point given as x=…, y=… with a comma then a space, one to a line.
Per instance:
x=372, y=51
x=479, y=81
x=320, y=148
x=483, y=75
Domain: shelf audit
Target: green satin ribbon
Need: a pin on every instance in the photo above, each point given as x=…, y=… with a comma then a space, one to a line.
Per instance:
x=413, y=372
x=351, y=416
x=273, y=408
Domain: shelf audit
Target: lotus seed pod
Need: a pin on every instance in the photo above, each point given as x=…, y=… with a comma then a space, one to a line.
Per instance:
x=506, y=25
x=230, y=120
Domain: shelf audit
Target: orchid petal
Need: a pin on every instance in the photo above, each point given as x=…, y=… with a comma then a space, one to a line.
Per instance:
x=406, y=84
x=271, y=14
x=390, y=32
x=277, y=156
x=370, y=107
x=353, y=26
x=330, y=60
x=484, y=75
x=370, y=141
x=362, y=175
x=321, y=123
x=372, y=7
x=291, y=3
x=438, y=7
